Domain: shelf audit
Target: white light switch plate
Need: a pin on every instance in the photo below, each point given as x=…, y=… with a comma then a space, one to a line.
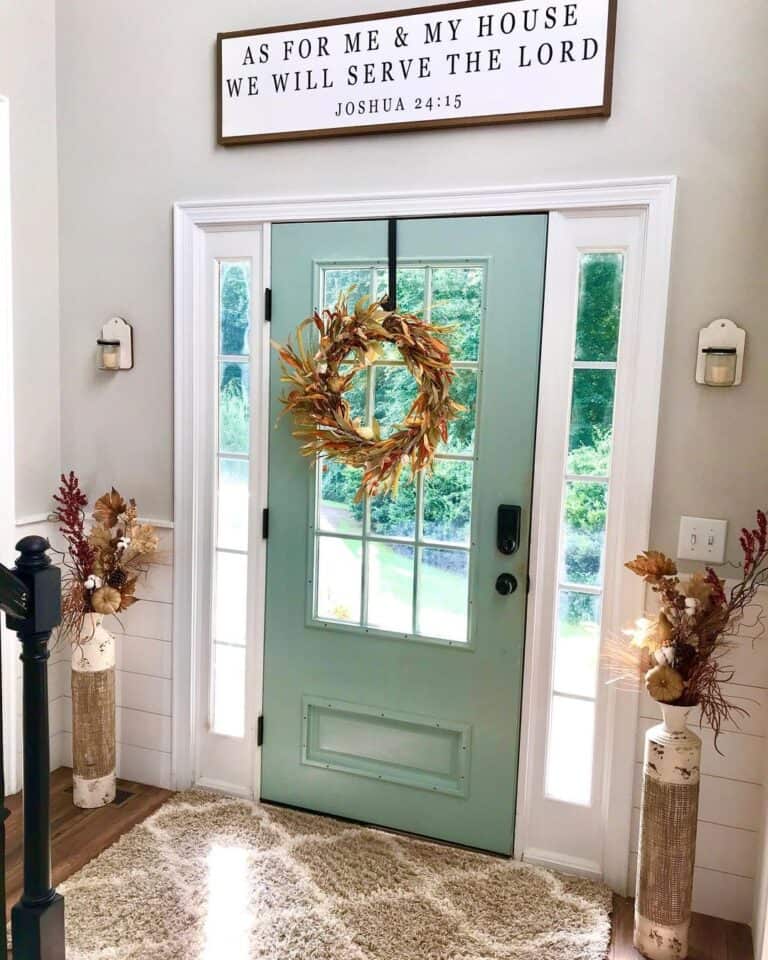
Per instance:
x=702, y=539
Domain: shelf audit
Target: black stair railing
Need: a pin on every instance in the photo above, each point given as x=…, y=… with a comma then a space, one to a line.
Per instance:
x=30, y=596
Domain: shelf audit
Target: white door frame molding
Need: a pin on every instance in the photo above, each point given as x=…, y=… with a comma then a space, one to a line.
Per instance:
x=7, y=446
x=654, y=197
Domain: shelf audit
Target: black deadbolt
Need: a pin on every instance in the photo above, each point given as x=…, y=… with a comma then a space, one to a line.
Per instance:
x=508, y=529
x=506, y=584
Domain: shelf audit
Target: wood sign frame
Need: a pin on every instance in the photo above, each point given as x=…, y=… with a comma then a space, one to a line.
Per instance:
x=296, y=72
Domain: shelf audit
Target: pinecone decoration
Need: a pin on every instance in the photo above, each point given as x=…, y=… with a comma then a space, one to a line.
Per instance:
x=117, y=579
x=685, y=654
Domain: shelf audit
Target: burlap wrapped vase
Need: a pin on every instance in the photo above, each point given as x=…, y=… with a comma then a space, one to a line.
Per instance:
x=93, y=715
x=669, y=810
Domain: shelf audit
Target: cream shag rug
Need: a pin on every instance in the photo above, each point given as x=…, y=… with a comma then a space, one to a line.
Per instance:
x=212, y=878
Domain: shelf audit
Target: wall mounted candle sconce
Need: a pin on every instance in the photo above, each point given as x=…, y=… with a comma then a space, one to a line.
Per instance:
x=115, y=345
x=720, y=360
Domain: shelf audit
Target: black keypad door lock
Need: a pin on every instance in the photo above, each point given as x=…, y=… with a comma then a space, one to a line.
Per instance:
x=508, y=529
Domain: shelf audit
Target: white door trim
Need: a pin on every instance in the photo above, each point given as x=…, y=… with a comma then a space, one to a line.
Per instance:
x=222, y=762
x=655, y=196
x=7, y=447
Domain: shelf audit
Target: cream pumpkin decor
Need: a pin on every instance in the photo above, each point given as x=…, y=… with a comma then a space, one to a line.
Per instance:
x=319, y=376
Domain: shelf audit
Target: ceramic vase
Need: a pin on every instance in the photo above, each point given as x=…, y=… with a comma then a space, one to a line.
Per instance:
x=667, y=848
x=93, y=715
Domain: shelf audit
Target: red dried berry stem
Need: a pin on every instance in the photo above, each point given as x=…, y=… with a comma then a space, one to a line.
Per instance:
x=71, y=517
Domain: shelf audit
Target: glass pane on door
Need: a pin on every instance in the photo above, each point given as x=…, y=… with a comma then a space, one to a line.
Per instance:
x=338, y=576
x=444, y=595
x=390, y=593
x=389, y=572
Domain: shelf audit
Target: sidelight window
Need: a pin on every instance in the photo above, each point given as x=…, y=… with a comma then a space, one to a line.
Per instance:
x=585, y=499
x=401, y=564
x=228, y=623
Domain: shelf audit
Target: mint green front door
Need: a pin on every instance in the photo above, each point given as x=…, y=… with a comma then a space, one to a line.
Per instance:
x=393, y=665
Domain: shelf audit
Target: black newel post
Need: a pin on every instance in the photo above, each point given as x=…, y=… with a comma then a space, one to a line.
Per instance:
x=37, y=920
x=14, y=602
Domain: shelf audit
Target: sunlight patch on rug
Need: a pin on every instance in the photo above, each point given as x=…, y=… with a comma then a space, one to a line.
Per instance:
x=208, y=877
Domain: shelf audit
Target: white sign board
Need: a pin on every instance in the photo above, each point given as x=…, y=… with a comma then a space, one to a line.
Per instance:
x=458, y=64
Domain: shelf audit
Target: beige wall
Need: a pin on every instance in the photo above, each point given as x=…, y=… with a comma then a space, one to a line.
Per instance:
x=136, y=102
x=28, y=79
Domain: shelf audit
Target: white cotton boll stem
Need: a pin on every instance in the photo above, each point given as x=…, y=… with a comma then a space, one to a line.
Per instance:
x=665, y=657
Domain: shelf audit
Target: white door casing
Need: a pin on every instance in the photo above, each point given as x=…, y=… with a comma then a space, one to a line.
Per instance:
x=209, y=759
x=7, y=449
x=644, y=209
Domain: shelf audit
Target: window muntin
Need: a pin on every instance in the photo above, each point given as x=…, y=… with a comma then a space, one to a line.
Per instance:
x=232, y=493
x=585, y=504
x=403, y=564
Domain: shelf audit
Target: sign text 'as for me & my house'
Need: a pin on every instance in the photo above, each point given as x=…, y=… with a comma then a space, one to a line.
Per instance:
x=453, y=65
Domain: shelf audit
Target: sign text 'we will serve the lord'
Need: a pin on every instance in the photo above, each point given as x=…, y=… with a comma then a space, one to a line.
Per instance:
x=453, y=65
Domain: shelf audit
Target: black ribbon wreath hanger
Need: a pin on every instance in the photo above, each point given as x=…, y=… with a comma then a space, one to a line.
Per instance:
x=391, y=302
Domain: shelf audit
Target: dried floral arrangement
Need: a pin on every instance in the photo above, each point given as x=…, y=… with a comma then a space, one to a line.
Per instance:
x=349, y=341
x=681, y=649
x=102, y=564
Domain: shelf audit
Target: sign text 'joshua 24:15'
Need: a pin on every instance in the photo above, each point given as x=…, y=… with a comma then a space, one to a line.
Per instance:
x=458, y=64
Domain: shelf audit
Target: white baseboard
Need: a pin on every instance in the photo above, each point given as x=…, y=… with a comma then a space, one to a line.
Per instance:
x=558, y=861
x=221, y=786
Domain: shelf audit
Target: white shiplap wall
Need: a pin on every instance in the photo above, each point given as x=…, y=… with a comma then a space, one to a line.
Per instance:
x=143, y=693
x=731, y=793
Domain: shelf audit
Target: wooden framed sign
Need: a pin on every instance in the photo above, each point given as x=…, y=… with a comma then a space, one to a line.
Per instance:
x=458, y=64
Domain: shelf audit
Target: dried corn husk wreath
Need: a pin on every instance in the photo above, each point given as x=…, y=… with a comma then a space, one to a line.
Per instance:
x=319, y=378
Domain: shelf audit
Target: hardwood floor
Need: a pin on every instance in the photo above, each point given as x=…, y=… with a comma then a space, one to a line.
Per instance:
x=711, y=939
x=80, y=835
x=77, y=835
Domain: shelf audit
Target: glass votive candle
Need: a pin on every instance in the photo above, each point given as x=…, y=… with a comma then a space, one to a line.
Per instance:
x=720, y=366
x=110, y=354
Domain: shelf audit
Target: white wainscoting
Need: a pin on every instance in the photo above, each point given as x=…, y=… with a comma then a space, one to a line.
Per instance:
x=144, y=635
x=731, y=797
